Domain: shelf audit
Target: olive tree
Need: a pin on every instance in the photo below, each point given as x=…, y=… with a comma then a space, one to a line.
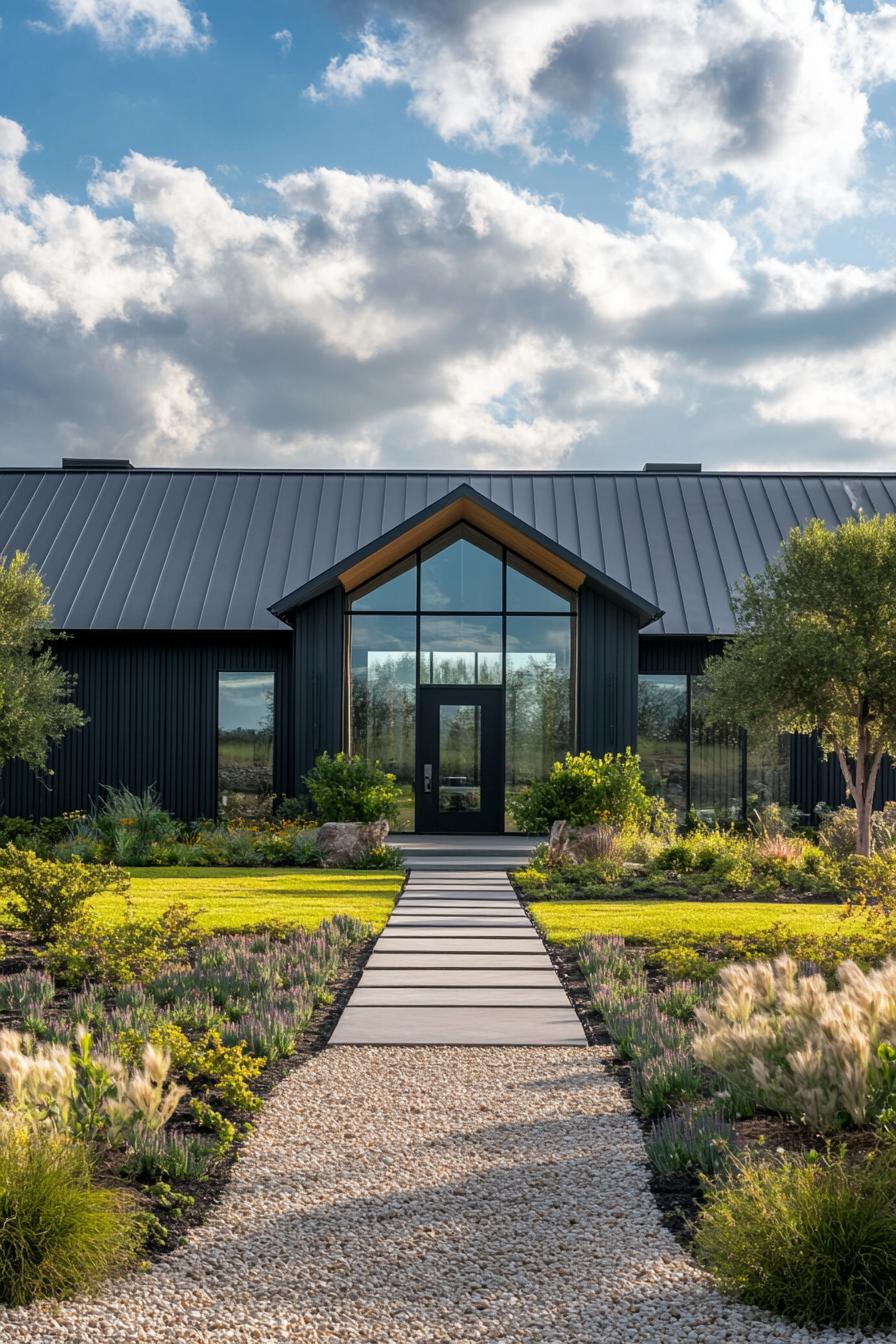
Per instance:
x=815, y=651
x=35, y=704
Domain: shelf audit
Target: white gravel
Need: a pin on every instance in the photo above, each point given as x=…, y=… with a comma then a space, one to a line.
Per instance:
x=442, y=1193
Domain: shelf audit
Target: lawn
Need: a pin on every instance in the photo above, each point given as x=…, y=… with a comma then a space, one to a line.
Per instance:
x=232, y=898
x=648, y=921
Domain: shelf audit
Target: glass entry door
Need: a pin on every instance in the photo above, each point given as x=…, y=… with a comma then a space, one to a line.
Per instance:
x=459, y=758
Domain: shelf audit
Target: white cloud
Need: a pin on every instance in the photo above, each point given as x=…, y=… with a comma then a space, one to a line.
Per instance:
x=140, y=25
x=770, y=96
x=851, y=392
x=283, y=38
x=453, y=322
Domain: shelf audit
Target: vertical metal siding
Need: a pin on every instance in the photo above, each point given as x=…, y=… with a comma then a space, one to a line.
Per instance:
x=608, y=674
x=319, y=679
x=152, y=705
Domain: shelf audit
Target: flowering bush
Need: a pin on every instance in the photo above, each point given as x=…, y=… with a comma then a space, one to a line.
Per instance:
x=114, y=954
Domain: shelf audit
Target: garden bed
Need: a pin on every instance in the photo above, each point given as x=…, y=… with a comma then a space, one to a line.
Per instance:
x=233, y=1014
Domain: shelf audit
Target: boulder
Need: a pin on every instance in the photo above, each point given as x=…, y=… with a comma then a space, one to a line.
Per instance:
x=581, y=844
x=558, y=841
x=343, y=843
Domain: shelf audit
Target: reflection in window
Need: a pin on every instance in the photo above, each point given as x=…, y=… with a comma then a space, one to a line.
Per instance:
x=460, y=758
x=716, y=763
x=245, y=743
x=538, y=703
x=460, y=651
x=458, y=573
x=768, y=773
x=662, y=738
x=528, y=589
x=693, y=765
x=456, y=637
x=396, y=590
x=383, y=699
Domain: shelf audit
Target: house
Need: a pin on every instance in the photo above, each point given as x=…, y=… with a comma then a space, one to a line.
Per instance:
x=466, y=629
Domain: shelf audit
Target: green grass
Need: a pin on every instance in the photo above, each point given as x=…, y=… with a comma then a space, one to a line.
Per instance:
x=650, y=921
x=234, y=898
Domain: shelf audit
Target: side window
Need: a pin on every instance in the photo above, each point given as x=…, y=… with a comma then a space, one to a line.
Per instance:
x=245, y=743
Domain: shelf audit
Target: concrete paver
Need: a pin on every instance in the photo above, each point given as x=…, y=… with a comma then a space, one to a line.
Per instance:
x=465, y=966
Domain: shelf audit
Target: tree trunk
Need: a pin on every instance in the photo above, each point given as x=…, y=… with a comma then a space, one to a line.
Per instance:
x=861, y=783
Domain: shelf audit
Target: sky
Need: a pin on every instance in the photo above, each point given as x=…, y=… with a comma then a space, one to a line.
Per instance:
x=513, y=233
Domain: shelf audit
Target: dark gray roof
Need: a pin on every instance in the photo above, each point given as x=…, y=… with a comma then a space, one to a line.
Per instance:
x=212, y=550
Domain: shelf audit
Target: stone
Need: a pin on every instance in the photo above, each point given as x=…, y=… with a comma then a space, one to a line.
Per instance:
x=343, y=843
x=568, y=844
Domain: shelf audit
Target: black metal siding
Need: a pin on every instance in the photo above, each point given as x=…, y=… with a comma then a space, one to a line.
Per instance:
x=656, y=654
x=152, y=705
x=608, y=674
x=319, y=679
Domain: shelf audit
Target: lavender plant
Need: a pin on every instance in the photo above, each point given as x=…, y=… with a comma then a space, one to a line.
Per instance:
x=664, y=1080
x=691, y=1140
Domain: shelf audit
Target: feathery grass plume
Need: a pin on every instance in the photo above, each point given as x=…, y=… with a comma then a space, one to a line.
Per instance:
x=801, y=1049
x=91, y=1097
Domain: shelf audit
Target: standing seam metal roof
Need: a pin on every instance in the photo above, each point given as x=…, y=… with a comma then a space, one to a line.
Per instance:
x=156, y=549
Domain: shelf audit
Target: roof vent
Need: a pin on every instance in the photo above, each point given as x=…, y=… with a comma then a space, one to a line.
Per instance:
x=96, y=464
x=673, y=468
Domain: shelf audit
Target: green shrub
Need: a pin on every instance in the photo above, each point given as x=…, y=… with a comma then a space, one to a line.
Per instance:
x=874, y=887
x=59, y=1233
x=809, y=1238
x=45, y=895
x=585, y=789
x=351, y=788
x=118, y=953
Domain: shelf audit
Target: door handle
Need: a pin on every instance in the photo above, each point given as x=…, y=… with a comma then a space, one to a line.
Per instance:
x=427, y=779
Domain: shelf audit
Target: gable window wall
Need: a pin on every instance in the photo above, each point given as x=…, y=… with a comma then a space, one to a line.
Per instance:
x=462, y=611
x=714, y=770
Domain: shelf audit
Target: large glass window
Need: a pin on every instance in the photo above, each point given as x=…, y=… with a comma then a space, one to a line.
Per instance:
x=383, y=709
x=715, y=770
x=467, y=629
x=245, y=743
x=460, y=651
x=663, y=737
x=461, y=572
x=717, y=781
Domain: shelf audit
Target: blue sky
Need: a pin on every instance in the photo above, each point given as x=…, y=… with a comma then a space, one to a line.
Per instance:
x=585, y=232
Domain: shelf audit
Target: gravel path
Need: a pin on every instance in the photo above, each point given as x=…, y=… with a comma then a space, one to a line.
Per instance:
x=437, y=1193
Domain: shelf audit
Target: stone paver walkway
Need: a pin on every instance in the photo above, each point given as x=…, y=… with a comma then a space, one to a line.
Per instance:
x=459, y=963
